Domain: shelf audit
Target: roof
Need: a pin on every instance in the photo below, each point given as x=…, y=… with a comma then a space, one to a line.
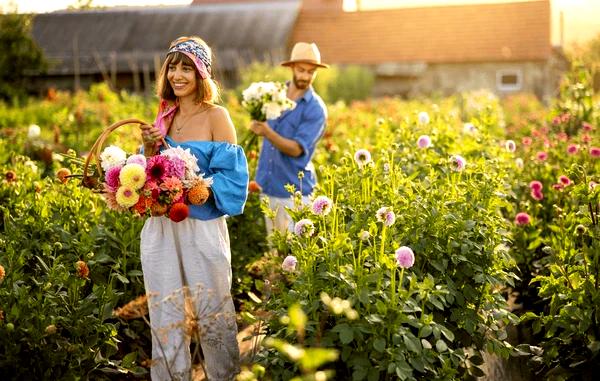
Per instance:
x=443, y=34
x=236, y=32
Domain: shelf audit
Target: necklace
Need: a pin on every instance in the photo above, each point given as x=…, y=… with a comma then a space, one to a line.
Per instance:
x=180, y=124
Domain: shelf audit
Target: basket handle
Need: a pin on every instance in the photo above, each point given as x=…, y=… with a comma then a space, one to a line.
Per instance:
x=96, y=149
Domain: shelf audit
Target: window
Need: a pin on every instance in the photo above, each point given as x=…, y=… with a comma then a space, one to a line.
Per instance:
x=509, y=80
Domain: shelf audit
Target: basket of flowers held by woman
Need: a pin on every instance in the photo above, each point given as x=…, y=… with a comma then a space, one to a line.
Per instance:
x=162, y=184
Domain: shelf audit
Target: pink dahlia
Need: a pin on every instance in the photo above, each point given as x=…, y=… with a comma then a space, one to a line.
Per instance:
x=562, y=136
x=522, y=218
x=321, y=206
x=457, y=163
x=542, y=156
x=289, y=263
x=424, y=141
x=536, y=185
x=112, y=177
x=564, y=180
x=177, y=168
x=304, y=228
x=386, y=215
x=537, y=195
x=405, y=257
x=173, y=186
x=157, y=168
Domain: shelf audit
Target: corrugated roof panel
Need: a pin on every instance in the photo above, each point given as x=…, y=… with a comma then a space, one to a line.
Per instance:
x=140, y=33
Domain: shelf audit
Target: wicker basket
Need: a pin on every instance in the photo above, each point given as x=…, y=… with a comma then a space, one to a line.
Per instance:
x=92, y=180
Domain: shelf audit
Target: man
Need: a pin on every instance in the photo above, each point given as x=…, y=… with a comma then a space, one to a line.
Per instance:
x=290, y=140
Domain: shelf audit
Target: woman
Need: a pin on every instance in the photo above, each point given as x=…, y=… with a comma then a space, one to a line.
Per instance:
x=190, y=261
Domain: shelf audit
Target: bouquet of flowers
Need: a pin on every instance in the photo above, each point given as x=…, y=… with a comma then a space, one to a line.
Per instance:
x=160, y=185
x=264, y=100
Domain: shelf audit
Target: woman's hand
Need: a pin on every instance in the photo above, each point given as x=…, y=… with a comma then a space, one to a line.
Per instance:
x=259, y=128
x=150, y=135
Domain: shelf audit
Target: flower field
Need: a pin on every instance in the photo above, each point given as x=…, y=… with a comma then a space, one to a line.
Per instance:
x=439, y=228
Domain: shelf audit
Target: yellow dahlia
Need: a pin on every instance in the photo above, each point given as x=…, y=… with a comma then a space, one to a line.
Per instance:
x=133, y=175
x=127, y=196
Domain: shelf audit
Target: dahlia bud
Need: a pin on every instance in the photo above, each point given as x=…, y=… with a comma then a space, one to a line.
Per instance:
x=83, y=271
x=580, y=229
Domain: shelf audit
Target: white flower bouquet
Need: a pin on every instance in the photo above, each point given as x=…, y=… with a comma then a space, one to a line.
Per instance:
x=266, y=100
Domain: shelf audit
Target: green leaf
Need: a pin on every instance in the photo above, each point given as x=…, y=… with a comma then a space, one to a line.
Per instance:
x=447, y=333
x=313, y=358
x=436, y=302
x=425, y=331
x=441, y=346
x=379, y=344
x=475, y=371
x=374, y=319
x=412, y=343
x=359, y=374
x=534, y=244
x=594, y=346
x=346, y=335
x=402, y=374
x=254, y=298
x=417, y=363
x=373, y=374
x=528, y=316
x=248, y=317
x=129, y=360
x=297, y=317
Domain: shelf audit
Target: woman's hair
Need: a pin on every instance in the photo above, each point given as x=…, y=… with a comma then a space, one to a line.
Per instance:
x=208, y=90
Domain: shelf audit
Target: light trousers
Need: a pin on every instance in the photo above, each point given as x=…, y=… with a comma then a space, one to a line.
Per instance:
x=282, y=221
x=187, y=273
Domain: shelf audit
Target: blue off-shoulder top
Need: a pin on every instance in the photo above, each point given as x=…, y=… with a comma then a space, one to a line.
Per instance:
x=226, y=164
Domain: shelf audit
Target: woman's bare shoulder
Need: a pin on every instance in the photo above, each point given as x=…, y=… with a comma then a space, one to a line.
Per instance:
x=221, y=124
x=217, y=111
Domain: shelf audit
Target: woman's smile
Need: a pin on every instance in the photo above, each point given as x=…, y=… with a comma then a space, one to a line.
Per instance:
x=182, y=79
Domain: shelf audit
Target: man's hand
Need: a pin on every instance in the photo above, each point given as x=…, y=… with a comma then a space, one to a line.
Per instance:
x=289, y=147
x=259, y=128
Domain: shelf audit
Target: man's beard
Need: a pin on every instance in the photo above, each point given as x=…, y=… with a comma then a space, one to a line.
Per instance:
x=301, y=84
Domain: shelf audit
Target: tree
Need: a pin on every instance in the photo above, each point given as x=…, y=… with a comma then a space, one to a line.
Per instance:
x=21, y=57
x=589, y=55
x=82, y=5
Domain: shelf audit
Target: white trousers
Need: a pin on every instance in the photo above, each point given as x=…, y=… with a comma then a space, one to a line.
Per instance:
x=187, y=273
x=282, y=221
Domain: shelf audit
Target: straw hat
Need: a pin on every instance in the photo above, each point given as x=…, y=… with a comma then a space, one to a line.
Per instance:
x=306, y=53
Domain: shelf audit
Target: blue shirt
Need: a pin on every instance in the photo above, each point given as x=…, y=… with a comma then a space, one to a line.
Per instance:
x=304, y=124
x=226, y=164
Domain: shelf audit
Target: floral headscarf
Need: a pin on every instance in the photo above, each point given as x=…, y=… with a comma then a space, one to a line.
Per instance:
x=202, y=61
